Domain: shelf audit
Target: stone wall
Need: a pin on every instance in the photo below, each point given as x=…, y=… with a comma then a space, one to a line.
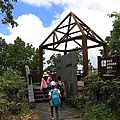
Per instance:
x=66, y=67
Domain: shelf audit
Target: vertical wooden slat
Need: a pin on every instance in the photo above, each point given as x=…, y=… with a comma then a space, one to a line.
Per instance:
x=40, y=61
x=105, y=47
x=85, y=54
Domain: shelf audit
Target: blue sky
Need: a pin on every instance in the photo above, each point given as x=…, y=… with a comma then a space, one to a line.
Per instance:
x=37, y=18
x=42, y=12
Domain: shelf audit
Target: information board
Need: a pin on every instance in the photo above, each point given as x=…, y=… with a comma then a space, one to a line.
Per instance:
x=109, y=67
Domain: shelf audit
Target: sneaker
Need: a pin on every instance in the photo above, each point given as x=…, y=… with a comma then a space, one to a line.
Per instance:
x=52, y=118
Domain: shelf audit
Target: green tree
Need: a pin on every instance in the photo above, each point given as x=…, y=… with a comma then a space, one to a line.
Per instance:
x=21, y=54
x=6, y=8
x=52, y=61
x=79, y=57
x=114, y=39
x=18, y=55
x=114, y=42
x=3, y=49
x=13, y=93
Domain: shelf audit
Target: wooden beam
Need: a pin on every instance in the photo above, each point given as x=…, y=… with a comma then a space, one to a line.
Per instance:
x=87, y=27
x=79, y=26
x=77, y=43
x=65, y=26
x=85, y=54
x=56, y=36
x=75, y=49
x=65, y=40
x=65, y=35
x=95, y=40
x=40, y=62
x=55, y=29
x=105, y=47
x=94, y=46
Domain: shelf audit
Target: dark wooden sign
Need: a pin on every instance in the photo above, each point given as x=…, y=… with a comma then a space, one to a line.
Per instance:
x=109, y=67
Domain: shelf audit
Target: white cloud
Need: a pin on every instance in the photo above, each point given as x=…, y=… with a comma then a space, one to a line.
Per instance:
x=107, y=5
x=92, y=12
x=38, y=2
x=30, y=29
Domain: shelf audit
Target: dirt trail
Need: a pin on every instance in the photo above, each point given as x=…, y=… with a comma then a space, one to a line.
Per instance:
x=67, y=113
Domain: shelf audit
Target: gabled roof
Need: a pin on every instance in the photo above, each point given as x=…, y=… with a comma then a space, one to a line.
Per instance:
x=67, y=36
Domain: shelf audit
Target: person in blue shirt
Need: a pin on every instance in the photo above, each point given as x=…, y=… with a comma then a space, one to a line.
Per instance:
x=53, y=89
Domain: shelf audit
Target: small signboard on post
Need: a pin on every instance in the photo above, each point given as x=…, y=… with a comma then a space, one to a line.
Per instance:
x=109, y=67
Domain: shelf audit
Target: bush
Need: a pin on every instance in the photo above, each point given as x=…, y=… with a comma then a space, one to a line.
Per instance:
x=24, y=110
x=106, y=93
x=78, y=100
x=98, y=111
x=13, y=93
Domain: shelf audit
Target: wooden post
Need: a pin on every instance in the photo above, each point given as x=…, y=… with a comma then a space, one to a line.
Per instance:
x=105, y=47
x=65, y=52
x=85, y=54
x=40, y=62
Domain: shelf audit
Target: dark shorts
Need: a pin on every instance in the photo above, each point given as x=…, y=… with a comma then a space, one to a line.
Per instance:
x=44, y=90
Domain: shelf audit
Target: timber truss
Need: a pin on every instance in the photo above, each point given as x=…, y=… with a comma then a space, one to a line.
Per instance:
x=73, y=34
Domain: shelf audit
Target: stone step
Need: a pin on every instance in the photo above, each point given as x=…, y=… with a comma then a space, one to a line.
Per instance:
x=38, y=94
x=41, y=100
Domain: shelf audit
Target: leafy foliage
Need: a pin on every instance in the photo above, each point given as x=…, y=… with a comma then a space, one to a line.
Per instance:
x=18, y=55
x=98, y=95
x=52, y=61
x=24, y=110
x=79, y=57
x=80, y=60
x=6, y=8
x=114, y=39
x=13, y=93
x=3, y=48
x=98, y=112
x=78, y=100
x=114, y=44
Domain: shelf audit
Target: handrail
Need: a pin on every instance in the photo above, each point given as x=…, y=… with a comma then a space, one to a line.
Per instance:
x=30, y=85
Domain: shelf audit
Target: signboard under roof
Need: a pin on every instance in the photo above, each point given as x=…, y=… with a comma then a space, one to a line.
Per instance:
x=109, y=67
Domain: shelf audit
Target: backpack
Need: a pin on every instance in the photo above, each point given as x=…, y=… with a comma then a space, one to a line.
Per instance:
x=49, y=86
x=60, y=87
x=55, y=98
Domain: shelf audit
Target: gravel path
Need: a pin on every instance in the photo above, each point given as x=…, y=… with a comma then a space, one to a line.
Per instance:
x=67, y=113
